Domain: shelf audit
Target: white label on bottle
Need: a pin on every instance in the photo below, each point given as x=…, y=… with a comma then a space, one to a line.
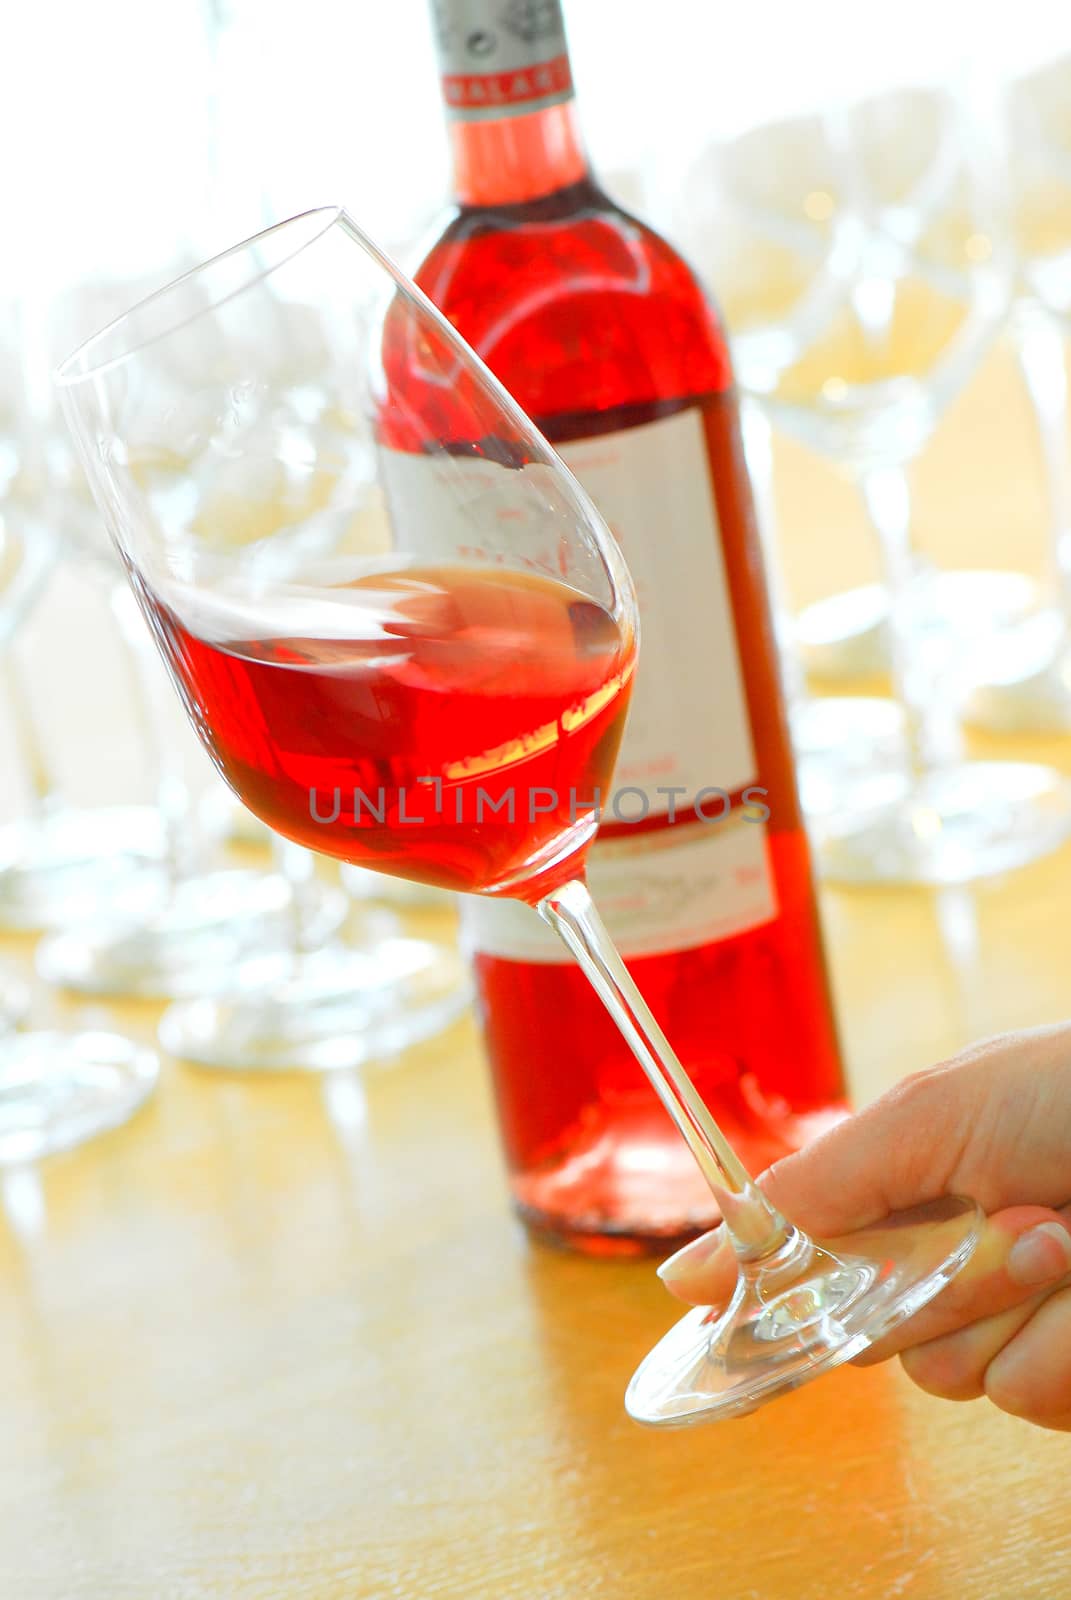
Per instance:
x=683, y=886
x=688, y=726
x=501, y=57
x=688, y=730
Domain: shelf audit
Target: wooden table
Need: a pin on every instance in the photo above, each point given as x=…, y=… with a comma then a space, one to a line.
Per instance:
x=282, y=1338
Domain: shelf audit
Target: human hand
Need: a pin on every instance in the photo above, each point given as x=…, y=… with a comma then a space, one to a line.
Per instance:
x=993, y=1123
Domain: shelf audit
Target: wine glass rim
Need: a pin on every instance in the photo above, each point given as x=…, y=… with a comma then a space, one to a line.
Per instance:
x=78, y=366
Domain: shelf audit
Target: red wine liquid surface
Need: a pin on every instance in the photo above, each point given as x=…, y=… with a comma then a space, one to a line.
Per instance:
x=455, y=735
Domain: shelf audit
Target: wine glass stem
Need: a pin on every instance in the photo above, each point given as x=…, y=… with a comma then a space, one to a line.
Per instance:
x=153, y=712
x=758, y=452
x=298, y=867
x=32, y=757
x=931, y=738
x=755, y=1226
x=1040, y=348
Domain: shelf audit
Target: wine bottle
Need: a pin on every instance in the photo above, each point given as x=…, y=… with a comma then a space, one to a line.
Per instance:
x=701, y=867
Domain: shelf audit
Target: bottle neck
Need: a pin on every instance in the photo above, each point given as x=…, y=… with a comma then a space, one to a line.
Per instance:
x=513, y=159
x=508, y=92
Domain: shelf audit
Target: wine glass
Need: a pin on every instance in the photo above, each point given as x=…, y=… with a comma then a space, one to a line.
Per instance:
x=1027, y=688
x=927, y=297
x=14, y=1001
x=423, y=666
x=138, y=909
x=56, y=1088
x=254, y=959
x=763, y=217
x=55, y=860
x=779, y=216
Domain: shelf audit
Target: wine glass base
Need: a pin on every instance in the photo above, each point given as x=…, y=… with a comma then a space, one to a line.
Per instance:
x=789, y=1324
x=14, y=1001
x=847, y=747
x=59, y=1089
x=212, y=931
x=337, y=1008
x=846, y=635
x=1030, y=690
x=67, y=865
x=968, y=821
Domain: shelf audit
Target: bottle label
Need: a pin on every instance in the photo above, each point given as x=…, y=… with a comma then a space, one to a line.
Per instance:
x=501, y=57
x=705, y=875
x=688, y=727
x=658, y=892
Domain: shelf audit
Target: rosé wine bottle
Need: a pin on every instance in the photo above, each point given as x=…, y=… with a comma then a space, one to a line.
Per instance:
x=701, y=868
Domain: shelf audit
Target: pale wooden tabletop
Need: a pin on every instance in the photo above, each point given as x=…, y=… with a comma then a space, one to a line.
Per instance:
x=280, y=1339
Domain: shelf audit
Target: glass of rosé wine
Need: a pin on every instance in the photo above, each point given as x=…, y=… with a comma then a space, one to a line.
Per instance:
x=420, y=662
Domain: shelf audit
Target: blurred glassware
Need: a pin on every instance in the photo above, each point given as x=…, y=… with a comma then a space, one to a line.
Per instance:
x=57, y=860
x=363, y=884
x=58, y=1089
x=772, y=217
x=14, y=1000
x=923, y=293
x=127, y=885
x=1027, y=688
x=264, y=978
x=763, y=216
x=337, y=1007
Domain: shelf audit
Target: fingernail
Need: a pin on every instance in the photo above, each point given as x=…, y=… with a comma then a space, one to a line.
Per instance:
x=1040, y=1256
x=691, y=1257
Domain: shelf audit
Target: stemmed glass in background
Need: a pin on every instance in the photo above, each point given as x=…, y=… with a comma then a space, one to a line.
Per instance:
x=248, y=954
x=58, y=860
x=764, y=218
x=925, y=295
x=424, y=668
x=14, y=1001
x=1027, y=688
x=777, y=217
x=56, y=1088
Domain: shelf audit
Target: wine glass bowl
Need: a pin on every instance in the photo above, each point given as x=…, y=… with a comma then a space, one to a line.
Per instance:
x=926, y=293
x=1040, y=185
x=846, y=196
x=763, y=215
x=1028, y=688
x=419, y=659
x=420, y=655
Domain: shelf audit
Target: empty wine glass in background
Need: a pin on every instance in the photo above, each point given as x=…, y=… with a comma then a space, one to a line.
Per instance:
x=926, y=297
x=258, y=965
x=183, y=925
x=763, y=216
x=57, y=859
x=56, y=1088
x=1027, y=686
x=477, y=640
x=775, y=218
x=14, y=1000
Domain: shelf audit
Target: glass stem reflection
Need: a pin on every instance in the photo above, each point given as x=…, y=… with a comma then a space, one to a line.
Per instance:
x=153, y=711
x=931, y=740
x=757, y=1229
x=31, y=751
x=1040, y=348
x=758, y=450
